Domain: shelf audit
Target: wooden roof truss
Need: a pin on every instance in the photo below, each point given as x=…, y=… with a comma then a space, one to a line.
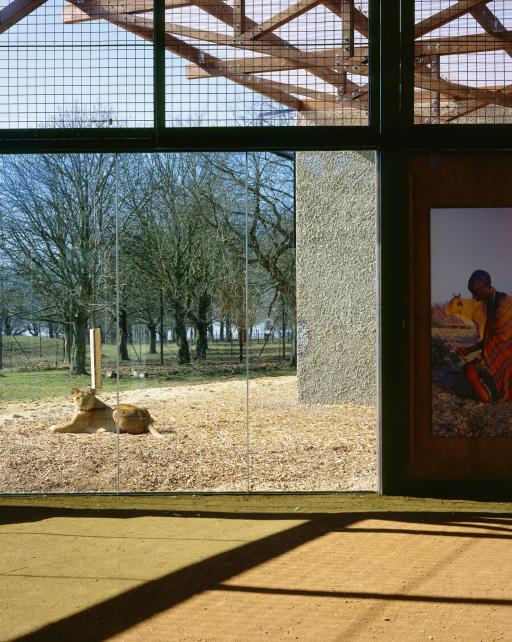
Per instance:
x=334, y=77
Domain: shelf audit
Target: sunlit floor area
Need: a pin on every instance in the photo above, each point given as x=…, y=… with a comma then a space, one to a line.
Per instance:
x=236, y=568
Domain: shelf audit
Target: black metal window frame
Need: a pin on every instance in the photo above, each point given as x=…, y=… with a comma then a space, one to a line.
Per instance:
x=390, y=133
x=391, y=72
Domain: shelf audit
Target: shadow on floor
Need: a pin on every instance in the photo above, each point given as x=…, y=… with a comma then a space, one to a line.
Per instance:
x=120, y=613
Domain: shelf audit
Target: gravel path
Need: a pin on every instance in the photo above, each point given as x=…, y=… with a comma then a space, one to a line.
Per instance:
x=203, y=445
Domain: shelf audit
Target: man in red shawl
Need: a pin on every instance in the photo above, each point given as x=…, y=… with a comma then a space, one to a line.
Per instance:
x=496, y=343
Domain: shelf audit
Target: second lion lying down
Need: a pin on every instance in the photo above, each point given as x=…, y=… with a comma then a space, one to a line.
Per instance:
x=92, y=415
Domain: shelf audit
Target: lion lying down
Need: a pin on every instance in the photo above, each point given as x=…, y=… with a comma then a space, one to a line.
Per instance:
x=92, y=415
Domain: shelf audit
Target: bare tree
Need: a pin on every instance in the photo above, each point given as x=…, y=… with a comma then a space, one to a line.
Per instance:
x=59, y=230
x=262, y=183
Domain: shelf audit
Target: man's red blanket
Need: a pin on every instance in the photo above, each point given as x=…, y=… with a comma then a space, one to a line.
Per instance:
x=498, y=348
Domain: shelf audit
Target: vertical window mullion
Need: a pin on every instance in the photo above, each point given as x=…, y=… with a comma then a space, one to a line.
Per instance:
x=159, y=65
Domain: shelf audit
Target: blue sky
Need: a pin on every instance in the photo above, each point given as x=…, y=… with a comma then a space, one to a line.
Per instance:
x=464, y=240
x=47, y=67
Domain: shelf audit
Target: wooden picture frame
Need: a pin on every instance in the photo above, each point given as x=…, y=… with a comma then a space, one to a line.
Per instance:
x=446, y=180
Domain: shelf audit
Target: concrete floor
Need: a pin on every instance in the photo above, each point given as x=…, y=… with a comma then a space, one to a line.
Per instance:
x=249, y=568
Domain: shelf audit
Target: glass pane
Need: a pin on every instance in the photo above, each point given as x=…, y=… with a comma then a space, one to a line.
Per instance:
x=58, y=280
x=62, y=65
x=316, y=430
x=182, y=309
x=276, y=62
x=463, y=68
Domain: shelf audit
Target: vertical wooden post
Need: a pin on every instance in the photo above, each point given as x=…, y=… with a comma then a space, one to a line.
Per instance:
x=347, y=43
x=95, y=348
x=239, y=15
x=347, y=28
x=435, y=97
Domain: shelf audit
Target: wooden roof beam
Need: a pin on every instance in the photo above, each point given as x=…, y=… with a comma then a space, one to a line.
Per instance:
x=454, y=45
x=361, y=23
x=279, y=19
x=463, y=108
x=16, y=11
x=280, y=48
x=269, y=64
x=445, y=16
x=143, y=28
x=460, y=92
x=330, y=69
x=486, y=19
x=72, y=14
x=324, y=98
x=263, y=86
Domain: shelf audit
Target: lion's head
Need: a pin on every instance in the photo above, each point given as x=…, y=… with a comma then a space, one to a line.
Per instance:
x=84, y=399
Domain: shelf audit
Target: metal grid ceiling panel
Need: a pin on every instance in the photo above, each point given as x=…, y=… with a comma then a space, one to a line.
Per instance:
x=73, y=64
x=463, y=63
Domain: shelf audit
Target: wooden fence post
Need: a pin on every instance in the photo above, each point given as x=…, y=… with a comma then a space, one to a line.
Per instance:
x=95, y=348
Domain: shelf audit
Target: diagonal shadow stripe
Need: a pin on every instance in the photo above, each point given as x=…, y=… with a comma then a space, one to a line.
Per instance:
x=27, y=514
x=432, y=533
x=121, y=612
x=361, y=595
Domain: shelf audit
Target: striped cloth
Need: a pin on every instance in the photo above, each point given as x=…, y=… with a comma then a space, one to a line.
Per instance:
x=497, y=349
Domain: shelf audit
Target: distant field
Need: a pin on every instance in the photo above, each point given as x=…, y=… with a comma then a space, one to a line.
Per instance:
x=34, y=369
x=25, y=352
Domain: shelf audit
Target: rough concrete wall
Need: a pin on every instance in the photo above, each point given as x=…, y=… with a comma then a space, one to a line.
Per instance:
x=336, y=277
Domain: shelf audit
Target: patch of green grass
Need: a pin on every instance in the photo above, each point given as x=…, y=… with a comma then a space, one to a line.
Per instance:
x=31, y=385
x=39, y=371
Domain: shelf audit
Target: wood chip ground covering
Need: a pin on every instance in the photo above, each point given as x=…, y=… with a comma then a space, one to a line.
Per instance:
x=203, y=445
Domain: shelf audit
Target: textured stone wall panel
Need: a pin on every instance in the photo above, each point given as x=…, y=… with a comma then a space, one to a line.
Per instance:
x=336, y=277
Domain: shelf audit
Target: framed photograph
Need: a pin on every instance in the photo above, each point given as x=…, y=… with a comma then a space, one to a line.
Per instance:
x=459, y=317
x=471, y=321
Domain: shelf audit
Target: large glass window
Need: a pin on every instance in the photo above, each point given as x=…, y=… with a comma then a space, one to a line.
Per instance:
x=225, y=304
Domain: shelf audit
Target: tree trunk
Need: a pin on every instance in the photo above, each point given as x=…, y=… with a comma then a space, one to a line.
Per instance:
x=210, y=332
x=293, y=355
x=229, y=330
x=201, y=329
x=181, y=340
x=201, y=341
x=78, y=347
x=283, y=334
x=123, y=335
x=68, y=341
x=152, y=338
x=7, y=326
x=221, y=330
x=242, y=338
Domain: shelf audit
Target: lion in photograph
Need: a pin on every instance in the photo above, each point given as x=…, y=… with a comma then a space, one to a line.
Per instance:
x=92, y=415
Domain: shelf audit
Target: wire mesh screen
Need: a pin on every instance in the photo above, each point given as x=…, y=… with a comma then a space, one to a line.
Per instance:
x=75, y=64
x=463, y=64
x=266, y=62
